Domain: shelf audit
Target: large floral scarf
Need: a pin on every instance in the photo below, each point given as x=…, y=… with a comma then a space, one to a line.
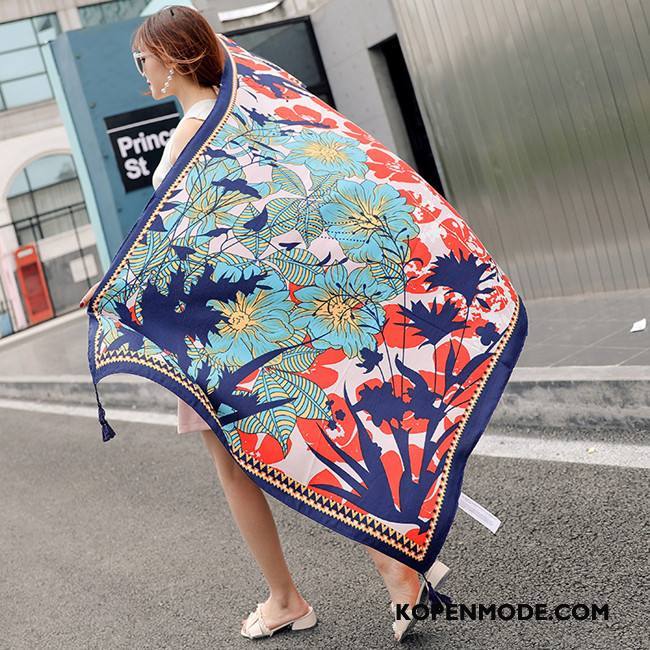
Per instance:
x=329, y=314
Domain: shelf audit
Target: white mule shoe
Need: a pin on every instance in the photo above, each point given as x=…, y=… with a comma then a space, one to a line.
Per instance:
x=436, y=575
x=256, y=628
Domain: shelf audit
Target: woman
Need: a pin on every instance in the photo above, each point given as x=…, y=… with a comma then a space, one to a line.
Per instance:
x=178, y=53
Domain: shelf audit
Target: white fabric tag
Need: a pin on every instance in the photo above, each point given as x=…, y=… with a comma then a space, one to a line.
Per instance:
x=478, y=512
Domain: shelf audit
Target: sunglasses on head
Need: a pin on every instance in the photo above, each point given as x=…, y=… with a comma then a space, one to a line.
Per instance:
x=139, y=58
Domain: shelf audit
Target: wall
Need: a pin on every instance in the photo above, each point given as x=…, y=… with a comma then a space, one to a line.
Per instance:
x=539, y=113
x=362, y=90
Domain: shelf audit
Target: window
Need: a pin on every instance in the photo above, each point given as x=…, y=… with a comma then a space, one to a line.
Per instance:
x=45, y=199
x=111, y=12
x=23, y=79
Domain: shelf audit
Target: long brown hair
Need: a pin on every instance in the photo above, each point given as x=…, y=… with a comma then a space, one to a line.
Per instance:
x=182, y=37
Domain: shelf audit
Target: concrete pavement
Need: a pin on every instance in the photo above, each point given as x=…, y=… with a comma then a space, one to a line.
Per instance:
x=131, y=544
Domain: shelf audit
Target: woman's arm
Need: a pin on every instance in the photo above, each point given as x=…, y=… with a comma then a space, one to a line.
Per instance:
x=182, y=135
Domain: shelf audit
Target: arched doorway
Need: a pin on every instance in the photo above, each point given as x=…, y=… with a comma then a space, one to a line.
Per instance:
x=47, y=209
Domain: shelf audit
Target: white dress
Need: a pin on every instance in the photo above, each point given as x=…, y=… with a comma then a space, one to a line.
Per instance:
x=189, y=420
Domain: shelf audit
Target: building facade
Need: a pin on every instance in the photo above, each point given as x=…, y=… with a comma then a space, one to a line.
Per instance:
x=530, y=118
x=539, y=113
x=347, y=58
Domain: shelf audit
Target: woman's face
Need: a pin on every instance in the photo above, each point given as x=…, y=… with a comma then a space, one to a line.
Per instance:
x=156, y=74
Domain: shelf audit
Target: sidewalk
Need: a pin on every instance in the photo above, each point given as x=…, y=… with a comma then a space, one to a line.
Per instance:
x=580, y=358
x=592, y=330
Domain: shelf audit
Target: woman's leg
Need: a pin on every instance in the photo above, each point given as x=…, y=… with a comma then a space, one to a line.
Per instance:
x=401, y=581
x=255, y=521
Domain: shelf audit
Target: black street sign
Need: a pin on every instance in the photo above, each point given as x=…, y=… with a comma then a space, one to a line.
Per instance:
x=138, y=138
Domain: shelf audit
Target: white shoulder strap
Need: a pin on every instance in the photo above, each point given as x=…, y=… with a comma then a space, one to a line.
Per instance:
x=200, y=110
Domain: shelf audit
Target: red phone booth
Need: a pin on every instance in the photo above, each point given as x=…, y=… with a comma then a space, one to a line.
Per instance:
x=33, y=286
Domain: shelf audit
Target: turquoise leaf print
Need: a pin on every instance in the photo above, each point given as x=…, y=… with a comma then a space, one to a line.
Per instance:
x=243, y=136
x=310, y=400
x=251, y=229
x=193, y=265
x=277, y=422
x=232, y=266
x=298, y=360
x=150, y=254
x=197, y=354
x=211, y=202
x=287, y=180
x=303, y=212
x=297, y=265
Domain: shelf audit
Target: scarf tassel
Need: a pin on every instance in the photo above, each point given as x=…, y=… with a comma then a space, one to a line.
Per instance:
x=107, y=430
x=437, y=600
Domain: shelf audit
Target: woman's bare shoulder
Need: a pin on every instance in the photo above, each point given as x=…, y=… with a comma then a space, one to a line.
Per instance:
x=182, y=135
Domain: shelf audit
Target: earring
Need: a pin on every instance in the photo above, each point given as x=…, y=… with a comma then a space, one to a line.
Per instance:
x=169, y=77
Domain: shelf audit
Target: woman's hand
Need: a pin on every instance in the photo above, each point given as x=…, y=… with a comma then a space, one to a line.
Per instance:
x=88, y=294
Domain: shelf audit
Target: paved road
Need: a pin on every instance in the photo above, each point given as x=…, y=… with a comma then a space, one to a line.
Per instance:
x=130, y=544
